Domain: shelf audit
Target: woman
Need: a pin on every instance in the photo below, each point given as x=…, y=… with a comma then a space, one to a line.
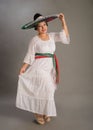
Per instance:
x=37, y=84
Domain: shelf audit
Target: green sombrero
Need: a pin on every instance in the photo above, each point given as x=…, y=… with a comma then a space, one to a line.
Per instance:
x=33, y=23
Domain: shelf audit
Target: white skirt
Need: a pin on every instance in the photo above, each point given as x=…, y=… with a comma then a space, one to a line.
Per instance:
x=36, y=88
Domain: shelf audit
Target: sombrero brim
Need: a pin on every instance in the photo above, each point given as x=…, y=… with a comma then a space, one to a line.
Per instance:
x=32, y=24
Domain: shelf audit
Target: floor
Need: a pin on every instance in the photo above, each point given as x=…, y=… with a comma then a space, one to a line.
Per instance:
x=71, y=115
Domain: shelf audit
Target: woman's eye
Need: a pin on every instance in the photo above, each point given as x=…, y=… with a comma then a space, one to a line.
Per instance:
x=45, y=24
x=39, y=26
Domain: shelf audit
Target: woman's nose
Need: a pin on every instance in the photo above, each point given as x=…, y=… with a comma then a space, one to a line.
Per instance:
x=42, y=27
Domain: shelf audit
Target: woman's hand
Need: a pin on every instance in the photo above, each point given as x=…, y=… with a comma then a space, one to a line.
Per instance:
x=61, y=16
x=22, y=70
x=24, y=67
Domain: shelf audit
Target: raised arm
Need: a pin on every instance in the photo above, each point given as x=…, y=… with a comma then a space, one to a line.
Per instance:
x=64, y=25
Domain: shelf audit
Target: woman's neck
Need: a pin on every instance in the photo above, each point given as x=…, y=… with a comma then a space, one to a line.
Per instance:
x=44, y=36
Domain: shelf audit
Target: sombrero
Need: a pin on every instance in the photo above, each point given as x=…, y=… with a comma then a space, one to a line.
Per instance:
x=33, y=23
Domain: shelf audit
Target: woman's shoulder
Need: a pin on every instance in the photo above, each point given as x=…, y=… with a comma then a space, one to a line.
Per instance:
x=51, y=34
x=33, y=39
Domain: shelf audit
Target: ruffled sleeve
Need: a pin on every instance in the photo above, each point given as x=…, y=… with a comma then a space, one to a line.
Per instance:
x=61, y=37
x=30, y=56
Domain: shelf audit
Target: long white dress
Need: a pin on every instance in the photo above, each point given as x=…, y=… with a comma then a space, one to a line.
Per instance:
x=36, y=87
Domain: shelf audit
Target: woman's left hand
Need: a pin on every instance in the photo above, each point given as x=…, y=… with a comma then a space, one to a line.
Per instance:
x=61, y=16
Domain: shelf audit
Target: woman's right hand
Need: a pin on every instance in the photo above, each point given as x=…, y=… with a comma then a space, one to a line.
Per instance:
x=23, y=69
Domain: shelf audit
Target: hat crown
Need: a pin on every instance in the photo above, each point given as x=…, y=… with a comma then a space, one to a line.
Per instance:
x=37, y=15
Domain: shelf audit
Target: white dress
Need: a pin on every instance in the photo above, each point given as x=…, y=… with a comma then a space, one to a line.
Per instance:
x=36, y=87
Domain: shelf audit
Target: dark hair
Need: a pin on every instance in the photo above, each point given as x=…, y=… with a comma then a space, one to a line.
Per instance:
x=35, y=17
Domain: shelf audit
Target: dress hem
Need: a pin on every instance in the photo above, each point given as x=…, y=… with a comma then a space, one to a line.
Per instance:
x=34, y=111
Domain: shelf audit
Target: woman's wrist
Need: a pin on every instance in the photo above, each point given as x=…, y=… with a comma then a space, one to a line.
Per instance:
x=25, y=65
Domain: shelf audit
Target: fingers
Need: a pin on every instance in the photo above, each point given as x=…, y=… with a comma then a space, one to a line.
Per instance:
x=22, y=71
x=23, y=68
x=61, y=16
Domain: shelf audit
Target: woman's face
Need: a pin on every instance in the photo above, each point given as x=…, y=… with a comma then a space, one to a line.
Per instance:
x=42, y=27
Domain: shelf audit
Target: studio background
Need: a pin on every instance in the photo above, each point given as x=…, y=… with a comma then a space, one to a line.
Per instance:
x=75, y=91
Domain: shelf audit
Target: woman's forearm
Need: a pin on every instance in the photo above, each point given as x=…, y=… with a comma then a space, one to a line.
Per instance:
x=64, y=25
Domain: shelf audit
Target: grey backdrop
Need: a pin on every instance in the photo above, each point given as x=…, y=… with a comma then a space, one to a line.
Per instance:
x=75, y=92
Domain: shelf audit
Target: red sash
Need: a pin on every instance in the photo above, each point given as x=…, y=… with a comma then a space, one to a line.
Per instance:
x=56, y=64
